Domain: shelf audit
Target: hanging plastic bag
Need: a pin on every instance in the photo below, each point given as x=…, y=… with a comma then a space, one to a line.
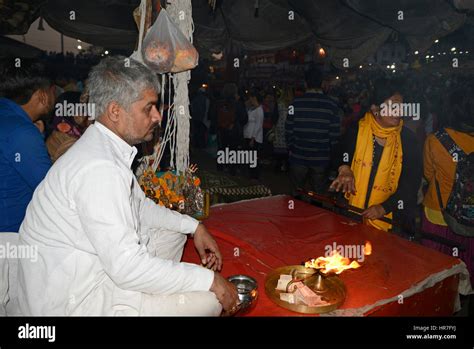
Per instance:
x=139, y=15
x=165, y=48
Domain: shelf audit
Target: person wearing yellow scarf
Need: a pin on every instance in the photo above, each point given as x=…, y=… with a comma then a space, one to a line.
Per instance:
x=388, y=170
x=381, y=168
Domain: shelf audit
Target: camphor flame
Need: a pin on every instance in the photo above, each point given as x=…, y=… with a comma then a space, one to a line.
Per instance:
x=336, y=263
x=368, y=248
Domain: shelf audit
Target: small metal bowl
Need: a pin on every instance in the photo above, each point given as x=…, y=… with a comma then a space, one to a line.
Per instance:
x=247, y=293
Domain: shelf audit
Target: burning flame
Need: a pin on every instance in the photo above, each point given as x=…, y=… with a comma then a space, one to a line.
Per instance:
x=368, y=248
x=336, y=262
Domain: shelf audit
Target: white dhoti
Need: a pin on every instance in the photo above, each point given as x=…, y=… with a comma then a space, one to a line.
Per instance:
x=170, y=245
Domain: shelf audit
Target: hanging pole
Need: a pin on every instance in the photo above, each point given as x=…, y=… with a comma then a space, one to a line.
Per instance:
x=256, y=9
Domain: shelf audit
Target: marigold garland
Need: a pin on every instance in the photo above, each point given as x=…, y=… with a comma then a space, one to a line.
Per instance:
x=177, y=192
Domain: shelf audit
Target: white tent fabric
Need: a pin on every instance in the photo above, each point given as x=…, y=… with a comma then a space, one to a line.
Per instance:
x=351, y=29
x=49, y=39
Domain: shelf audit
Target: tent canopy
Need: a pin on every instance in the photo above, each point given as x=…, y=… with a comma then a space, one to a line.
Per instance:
x=10, y=47
x=351, y=29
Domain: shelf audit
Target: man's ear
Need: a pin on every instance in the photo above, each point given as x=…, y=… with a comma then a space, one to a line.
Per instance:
x=44, y=97
x=39, y=96
x=113, y=111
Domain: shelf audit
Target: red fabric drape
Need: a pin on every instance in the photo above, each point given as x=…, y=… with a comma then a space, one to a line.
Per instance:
x=259, y=235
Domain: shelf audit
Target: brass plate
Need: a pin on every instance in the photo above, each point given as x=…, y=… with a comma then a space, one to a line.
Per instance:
x=334, y=293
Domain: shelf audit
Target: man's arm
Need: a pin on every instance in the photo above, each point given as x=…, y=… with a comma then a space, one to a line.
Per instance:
x=258, y=123
x=28, y=155
x=334, y=127
x=102, y=195
x=250, y=130
x=334, y=131
x=153, y=215
x=289, y=123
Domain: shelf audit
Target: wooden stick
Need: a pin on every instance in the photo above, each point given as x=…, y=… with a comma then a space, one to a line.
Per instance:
x=345, y=206
x=342, y=205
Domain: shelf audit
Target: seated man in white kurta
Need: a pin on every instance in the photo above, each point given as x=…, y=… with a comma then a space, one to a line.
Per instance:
x=89, y=218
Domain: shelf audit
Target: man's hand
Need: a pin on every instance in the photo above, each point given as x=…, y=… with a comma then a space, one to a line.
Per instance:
x=345, y=181
x=374, y=212
x=226, y=292
x=207, y=249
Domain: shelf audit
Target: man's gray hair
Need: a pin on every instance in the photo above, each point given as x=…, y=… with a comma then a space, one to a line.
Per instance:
x=119, y=79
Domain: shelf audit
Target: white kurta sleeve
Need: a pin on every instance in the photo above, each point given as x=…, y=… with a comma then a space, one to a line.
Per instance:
x=251, y=124
x=103, y=198
x=258, y=125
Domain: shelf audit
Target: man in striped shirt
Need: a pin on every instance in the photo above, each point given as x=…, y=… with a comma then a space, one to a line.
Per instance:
x=312, y=130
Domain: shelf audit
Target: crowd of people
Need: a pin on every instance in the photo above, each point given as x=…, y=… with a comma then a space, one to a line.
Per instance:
x=335, y=137
x=242, y=119
x=400, y=171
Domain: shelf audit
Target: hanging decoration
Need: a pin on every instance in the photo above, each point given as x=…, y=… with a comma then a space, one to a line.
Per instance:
x=212, y=4
x=181, y=12
x=167, y=49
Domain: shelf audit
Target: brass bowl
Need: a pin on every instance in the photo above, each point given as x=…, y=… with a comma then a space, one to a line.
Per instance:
x=330, y=288
x=247, y=293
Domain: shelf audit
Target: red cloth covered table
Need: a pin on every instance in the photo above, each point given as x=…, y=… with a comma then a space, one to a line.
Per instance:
x=257, y=236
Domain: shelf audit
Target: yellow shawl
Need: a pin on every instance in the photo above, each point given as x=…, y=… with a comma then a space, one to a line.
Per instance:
x=389, y=168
